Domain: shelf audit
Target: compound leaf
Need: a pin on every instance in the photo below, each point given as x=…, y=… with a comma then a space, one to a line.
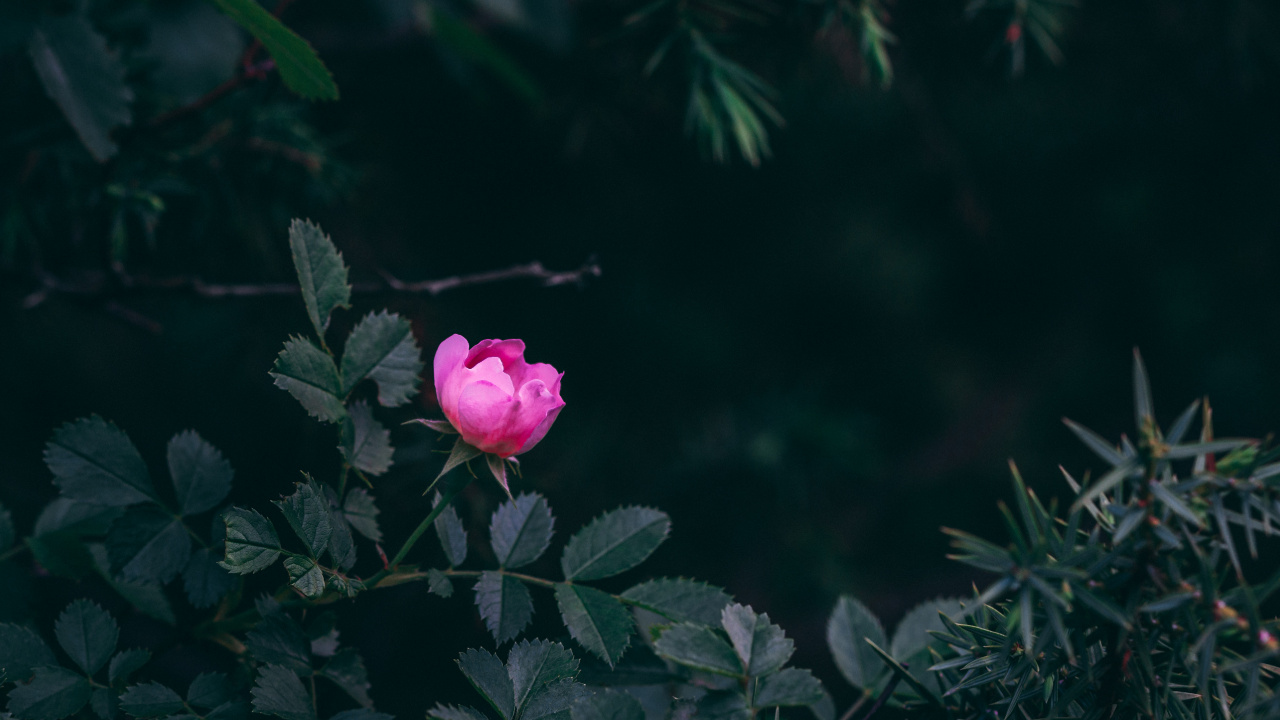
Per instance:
x=148, y=544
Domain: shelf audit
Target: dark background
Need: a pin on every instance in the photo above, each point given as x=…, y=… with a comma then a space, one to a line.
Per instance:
x=812, y=366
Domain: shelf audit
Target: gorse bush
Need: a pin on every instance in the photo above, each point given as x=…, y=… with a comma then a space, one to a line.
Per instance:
x=1131, y=602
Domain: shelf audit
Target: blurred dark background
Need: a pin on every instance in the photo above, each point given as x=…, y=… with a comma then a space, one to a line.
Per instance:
x=811, y=365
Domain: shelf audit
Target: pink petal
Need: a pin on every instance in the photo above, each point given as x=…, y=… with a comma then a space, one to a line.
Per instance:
x=482, y=412
x=540, y=431
x=449, y=358
x=544, y=372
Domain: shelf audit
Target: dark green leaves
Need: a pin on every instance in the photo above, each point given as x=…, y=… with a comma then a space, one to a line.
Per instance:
x=84, y=78
x=504, y=604
x=911, y=638
x=252, y=543
x=520, y=530
x=148, y=544
x=490, y=679
x=94, y=462
x=381, y=347
x=698, y=647
x=21, y=649
x=300, y=68
x=208, y=690
x=366, y=445
x=278, y=640
x=614, y=542
x=201, y=476
x=362, y=514
x=279, y=692
x=321, y=273
x=307, y=511
x=305, y=576
x=88, y=634
x=204, y=580
x=308, y=374
x=850, y=626
x=346, y=670
x=608, y=704
x=150, y=700
x=598, y=621
x=126, y=663
x=453, y=537
x=680, y=599
x=761, y=645
x=53, y=693
x=789, y=687
x=534, y=665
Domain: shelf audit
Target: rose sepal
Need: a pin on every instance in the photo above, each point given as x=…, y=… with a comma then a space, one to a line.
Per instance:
x=444, y=427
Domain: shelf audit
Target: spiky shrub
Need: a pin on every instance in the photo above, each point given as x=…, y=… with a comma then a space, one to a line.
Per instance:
x=1133, y=602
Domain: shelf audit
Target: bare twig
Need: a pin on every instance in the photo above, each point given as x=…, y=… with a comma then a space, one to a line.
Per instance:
x=103, y=284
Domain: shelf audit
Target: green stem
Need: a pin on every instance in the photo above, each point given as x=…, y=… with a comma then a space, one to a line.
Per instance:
x=417, y=533
x=521, y=577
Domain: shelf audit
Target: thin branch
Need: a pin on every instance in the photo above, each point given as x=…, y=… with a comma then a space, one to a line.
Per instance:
x=101, y=284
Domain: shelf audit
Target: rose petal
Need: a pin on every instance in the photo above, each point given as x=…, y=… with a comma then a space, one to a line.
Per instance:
x=544, y=372
x=449, y=358
x=541, y=431
x=482, y=412
x=510, y=351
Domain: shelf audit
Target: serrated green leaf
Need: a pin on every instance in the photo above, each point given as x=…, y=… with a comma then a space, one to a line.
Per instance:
x=456, y=712
x=308, y=374
x=88, y=634
x=520, y=530
x=52, y=694
x=94, y=462
x=490, y=679
x=346, y=670
x=680, y=599
x=150, y=700
x=300, y=68
x=504, y=603
x=305, y=576
x=366, y=445
x=362, y=513
x=84, y=78
x=342, y=544
x=209, y=690
x=126, y=663
x=77, y=518
x=761, y=645
x=453, y=536
x=554, y=701
x=148, y=544
x=105, y=703
x=307, y=512
x=698, y=647
x=532, y=666
x=22, y=649
x=231, y=710
x=790, y=687
x=277, y=640
x=439, y=584
x=850, y=626
x=201, y=475
x=205, y=581
x=597, y=620
x=608, y=704
x=912, y=638
x=278, y=691
x=322, y=275
x=382, y=348
x=614, y=542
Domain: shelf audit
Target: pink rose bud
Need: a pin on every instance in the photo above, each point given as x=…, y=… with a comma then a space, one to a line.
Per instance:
x=499, y=403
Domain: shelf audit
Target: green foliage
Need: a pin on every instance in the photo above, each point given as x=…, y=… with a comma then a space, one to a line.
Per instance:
x=278, y=691
x=21, y=649
x=614, y=543
x=201, y=476
x=505, y=605
x=300, y=67
x=362, y=514
x=322, y=274
x=84, y=78
x=150, y=700
x=520, y=530
x=538, y=681
x=453, y=536
x=87, y=634
x=851, y=623
x=597, y=620
x=308, y=374
x=699, y=647
x=53, y=693
x=381, y=348
x=251, y=542
x=365, y=444
x=680, y=599
x=94, y=462
x=307, y=512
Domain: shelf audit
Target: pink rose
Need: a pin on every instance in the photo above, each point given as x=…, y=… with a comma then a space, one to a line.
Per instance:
x=499, y=403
